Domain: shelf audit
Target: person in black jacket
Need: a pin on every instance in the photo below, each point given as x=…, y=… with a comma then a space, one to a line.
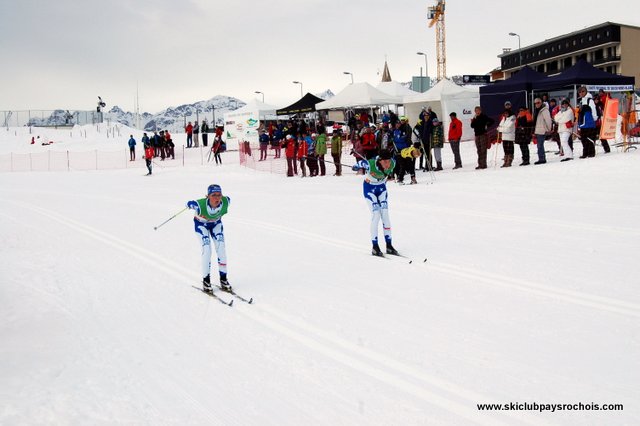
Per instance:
x=480, y=124
x=204, y=129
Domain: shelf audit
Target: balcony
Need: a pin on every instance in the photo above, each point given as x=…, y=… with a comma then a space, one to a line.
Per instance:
x=601, y=61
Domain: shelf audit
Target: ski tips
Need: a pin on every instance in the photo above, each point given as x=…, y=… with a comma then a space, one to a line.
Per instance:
x=230, y=303
x=250, y=301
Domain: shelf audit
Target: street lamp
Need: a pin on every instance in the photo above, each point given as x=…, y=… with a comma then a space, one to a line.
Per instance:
x=258, y=92
x=426, y=68
x=300, y=83
x=351, y=74
x=519, y=51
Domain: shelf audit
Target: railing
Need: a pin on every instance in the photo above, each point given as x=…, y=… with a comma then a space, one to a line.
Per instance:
x=605, y=60
x=52, y=160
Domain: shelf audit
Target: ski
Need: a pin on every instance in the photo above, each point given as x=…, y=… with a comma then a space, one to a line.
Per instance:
x=215, y=296
x=236, y=295
x=409, y=259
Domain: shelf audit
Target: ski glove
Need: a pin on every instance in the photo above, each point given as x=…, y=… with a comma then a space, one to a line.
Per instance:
x=192, y=205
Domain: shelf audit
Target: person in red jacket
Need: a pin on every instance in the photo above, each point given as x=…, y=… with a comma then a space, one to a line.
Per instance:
x=368, y=143
x=148, y=152
x=289, y=146
x=169, y=145
x=455, y=134
x=302, y=154
x=189, y=131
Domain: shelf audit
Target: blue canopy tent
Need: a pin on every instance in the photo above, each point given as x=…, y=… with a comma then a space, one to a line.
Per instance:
x=585, y=74
x=514, y=90
x=582, y=73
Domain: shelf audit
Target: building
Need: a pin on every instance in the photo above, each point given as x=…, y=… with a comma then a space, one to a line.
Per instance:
x=609, y=46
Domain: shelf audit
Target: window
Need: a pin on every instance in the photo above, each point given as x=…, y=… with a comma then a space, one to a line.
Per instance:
x=590, y=38
x=598, y=36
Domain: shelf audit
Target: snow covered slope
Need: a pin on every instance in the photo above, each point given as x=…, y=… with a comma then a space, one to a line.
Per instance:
x=530, y=294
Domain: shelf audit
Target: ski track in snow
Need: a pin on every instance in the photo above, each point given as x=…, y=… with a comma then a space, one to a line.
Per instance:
x=475, y=275
x=366, y=361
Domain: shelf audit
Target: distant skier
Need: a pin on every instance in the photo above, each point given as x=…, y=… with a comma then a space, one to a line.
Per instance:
x=208, y=226
x=377, y=170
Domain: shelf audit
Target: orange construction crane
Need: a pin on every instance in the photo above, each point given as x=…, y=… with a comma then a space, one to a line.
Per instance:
x=436, y=17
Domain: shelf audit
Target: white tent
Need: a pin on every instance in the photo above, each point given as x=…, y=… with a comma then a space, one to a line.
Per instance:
x=444, y=98
x=359, y=95
x=396, y=89
x=243, y=123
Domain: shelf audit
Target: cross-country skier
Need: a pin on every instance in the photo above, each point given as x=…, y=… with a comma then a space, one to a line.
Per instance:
x=374, y=187
x=208, y=226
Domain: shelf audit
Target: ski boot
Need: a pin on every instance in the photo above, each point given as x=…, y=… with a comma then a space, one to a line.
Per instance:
x=206, y=284
x=391, y=250
x=413, y=180
x=224, y=284
x=376, y=251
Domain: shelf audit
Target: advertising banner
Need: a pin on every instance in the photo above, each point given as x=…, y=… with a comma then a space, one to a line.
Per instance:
x=241, y=126
x=609, y=119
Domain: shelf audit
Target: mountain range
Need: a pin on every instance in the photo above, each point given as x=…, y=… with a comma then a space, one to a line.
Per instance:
x=171, y=118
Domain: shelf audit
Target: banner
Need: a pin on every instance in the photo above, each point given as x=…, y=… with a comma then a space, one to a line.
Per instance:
x=241, y=126
x=609, y=119
x=593, y=88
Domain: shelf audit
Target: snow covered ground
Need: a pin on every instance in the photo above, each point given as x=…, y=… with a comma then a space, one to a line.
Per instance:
x=530, y=294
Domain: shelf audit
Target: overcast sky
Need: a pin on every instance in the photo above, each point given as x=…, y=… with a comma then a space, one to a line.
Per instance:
x=64, y=53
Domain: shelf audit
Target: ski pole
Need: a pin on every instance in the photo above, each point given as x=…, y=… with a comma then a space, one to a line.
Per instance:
x=331, y=162
x=155, y=228
x=587, y=138
x=427, y=157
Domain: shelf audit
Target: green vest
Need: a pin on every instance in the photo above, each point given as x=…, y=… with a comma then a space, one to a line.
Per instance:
x=378, y=174
x=204, y=213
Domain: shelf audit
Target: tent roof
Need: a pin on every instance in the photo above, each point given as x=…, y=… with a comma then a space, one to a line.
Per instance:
x=523, y=80
x=443, y=88
x=305, y=104
x=582, y=73
x=256, y=105
x=359, y=95
x=394, y=88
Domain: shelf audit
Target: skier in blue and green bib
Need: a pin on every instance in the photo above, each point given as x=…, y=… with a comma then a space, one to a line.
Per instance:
x=208, y=226
x=374, y=187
